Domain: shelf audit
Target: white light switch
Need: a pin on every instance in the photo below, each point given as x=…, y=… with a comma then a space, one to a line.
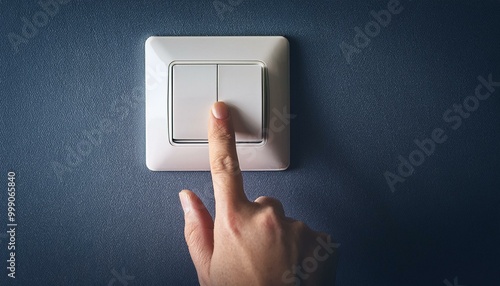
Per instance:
x=194, y=91
x=240, y=86
x=250, y=74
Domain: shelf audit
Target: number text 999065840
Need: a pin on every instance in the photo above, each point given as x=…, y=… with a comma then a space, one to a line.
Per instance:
x=11, y=224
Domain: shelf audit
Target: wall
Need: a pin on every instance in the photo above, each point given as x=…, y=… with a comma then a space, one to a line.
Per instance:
x=90, y=219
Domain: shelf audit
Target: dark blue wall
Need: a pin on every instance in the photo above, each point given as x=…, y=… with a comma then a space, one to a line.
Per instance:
x=81, y=216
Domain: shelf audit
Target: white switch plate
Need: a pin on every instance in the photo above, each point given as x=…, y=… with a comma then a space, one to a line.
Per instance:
x=162, y=53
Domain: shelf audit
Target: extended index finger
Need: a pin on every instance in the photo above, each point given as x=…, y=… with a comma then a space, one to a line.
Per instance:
x=224, y=165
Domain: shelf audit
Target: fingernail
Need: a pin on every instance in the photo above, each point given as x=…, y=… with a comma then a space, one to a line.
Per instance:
x=186, y=204
x=220, y=110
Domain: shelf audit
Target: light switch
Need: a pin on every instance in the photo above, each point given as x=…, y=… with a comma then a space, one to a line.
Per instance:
x=194, y=90
x=240, y=86
x=250, y=74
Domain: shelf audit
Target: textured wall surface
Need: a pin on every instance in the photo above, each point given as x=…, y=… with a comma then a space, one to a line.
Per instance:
x=90, y=213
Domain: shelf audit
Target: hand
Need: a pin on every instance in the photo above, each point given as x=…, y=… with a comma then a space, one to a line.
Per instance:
x=250, y=243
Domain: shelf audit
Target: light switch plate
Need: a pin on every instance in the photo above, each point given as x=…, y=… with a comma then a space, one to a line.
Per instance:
x=271, y=53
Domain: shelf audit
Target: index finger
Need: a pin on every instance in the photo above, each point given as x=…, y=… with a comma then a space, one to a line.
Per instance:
x=224, y=165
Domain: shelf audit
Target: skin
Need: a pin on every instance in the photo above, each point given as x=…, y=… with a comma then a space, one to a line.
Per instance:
x=248, y=243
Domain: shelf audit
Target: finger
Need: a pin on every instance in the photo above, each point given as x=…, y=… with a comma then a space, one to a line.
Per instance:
x=273, y=202
x=198, y=232
x=226, y=174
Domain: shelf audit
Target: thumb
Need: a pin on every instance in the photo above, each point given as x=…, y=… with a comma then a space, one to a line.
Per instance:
x=198, y=232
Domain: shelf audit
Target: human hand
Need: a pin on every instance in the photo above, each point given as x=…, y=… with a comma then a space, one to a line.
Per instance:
x=250, y=243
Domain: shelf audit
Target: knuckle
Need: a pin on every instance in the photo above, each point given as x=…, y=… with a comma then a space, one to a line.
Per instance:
x=265, y=200
x=225, y=164
x=301, y=227
x=273, y=203
x=233, y=225
x=190, y=235
x=221, y=133
x=260, y=199
x=269, y=219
